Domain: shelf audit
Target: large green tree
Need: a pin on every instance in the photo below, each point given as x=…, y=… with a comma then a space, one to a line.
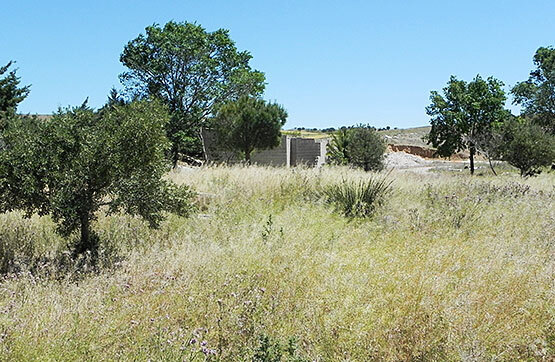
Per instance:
x=464, y=113
x=79, y=160
x=537, y=94
x=249, y=124
x=11, y=94
x=192, y=71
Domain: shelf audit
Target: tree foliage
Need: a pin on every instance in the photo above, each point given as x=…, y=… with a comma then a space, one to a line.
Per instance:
x=80, y=160
x=366, y=149
x=191, y=71
x=10, y=92
x=359, y=146
x=526, y=146
x=463, y=113
x=537, y=94
x=249, y=124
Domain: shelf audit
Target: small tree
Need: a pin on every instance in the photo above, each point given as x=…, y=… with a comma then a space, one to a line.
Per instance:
x=79, y=160
x=366, y=149
x=191, y=71
x=249, y=124
x=464, y=113
x=526, y=146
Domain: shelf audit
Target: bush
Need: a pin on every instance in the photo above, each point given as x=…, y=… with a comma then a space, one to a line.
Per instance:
x=527, y=147
x=360, y=146
x=80, y=160
x=358, y=199
x=366, y=149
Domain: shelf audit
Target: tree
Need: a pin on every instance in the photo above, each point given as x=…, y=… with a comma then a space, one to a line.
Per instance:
x=526, y=146
x=464, y=113
x=249, y=124
x=537, y=94
x=10, y=92
x=366, y=149
x=191, y=71
x=79, y=160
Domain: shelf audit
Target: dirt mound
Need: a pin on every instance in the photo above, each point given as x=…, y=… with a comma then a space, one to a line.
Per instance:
x=413, y=150
x=404, y=160
x=426, y=152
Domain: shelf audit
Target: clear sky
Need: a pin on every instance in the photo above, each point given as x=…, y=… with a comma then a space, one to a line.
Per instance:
x=330, y=63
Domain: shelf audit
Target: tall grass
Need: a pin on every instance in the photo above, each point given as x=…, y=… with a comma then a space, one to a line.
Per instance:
x=451, y=268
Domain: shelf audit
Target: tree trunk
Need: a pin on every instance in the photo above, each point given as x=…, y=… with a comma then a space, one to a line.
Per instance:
x=248, y=157
x=85, y=241
x=472, y=153
x=175, y=156
x=491, y=166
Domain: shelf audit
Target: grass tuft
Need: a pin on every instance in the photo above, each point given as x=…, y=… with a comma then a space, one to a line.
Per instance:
x=359, y=198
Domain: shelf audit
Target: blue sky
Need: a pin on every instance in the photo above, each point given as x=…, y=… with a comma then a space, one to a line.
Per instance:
x=330, y=63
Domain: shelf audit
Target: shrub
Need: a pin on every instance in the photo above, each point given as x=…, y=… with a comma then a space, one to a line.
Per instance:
x=366, y=149
x=358, y=199
x=527, y=147
x=337, y=150
x=79, y=161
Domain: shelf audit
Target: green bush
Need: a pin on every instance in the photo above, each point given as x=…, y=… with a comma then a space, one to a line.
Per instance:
x=337, y=149
x=527, y=147
x=366, y=149
x=358, y=199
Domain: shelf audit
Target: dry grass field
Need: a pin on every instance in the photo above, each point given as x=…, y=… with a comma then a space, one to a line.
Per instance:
x=451, y=267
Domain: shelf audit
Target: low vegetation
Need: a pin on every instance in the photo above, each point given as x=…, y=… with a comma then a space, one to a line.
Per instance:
x=450, y=268
x=359, y=146
x=104, y=255
x=358, y=199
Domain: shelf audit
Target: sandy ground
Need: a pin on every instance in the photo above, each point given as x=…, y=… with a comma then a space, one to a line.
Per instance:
x=413, y=163
x=405, y=160
x=393, y=160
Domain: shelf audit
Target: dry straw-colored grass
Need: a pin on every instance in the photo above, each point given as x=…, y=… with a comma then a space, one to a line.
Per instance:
x=450, y=268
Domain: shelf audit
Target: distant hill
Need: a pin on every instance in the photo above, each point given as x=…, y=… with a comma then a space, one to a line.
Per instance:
x=406, y=136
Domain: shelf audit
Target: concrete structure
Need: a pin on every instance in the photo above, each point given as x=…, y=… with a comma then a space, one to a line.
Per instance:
x=292, y=151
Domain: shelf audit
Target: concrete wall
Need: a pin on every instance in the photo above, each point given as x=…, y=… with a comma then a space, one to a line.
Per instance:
x=278, y=156
x=308, y=151
x=292, y=151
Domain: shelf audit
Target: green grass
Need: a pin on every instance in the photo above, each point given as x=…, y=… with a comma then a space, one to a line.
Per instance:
x=451, y=267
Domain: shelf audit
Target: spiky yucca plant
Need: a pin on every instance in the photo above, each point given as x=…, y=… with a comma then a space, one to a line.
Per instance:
x=358, y=198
